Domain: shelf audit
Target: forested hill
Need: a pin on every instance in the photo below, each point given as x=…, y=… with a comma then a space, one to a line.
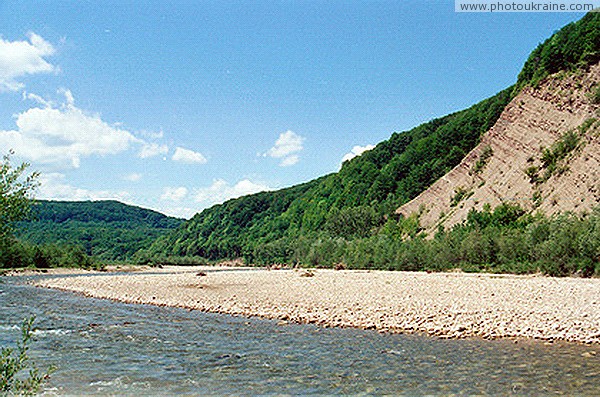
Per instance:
x=108, y=230
x=350, y=202
x=359, y=201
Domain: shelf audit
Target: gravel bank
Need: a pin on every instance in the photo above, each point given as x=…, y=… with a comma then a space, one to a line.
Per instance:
x=450, y=305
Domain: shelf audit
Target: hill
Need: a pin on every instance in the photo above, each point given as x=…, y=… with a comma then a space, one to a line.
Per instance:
x=544, y=151
x=351, y=217
x=107, y=230
x=348, y=203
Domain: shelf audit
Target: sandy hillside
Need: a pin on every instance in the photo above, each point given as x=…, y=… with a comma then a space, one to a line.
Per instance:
x=535, y=119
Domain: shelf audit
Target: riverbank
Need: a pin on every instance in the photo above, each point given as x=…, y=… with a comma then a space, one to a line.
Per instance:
x=448, y=305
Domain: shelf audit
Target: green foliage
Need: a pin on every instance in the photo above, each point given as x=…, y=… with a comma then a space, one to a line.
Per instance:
x=460, y=193
x=503, y=240
x=352, y=203
x=19, y=375
x=106, y=230
x=15, y=194
x=576, y=45
x=348, y=217
x=142, y=258
x=559, y=150
x=353, y=222
x=533, y=172
x=18, y=254
x=587, y=124
x=552, y=157
x=536, y=198
x=481, y=162
x=595, y=95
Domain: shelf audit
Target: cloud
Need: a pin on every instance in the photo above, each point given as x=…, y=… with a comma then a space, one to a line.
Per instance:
x=37, y=98
x=133, y=177
x=188, y=156
x=152, y=134
x=63, y=135
x=174, y=193
x=356, y=151
x=20, y=58
x=221, y=191
x=286, y=148
x=53, y=186
x=289, y=160
x=151, y=149
x=178, y=211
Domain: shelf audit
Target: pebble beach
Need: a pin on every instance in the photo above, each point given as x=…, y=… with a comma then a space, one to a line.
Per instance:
x=445, y=305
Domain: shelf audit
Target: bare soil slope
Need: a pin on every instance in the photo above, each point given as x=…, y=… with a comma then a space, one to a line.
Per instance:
x=508, y=165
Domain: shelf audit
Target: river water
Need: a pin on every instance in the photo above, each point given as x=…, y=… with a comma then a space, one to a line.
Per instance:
x=106, y=348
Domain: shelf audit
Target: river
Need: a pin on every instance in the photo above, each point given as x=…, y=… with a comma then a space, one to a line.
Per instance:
x=106, y=348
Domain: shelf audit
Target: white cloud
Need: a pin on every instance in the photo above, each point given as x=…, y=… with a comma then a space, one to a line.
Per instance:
x=152, y=135
x=286, y=148
x=37, y=98
x=133, y=177
x=20, y=58
x=54, y=187
x=174, y=193
x=289, y=160
x=356, y=151
x=178, y=212
x=188, y=156
x=221, y=191
x=63, y=135
x=151, y=149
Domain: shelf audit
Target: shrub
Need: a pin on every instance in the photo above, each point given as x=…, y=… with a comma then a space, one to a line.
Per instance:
x=595, y=95
x=460, y=193
x=481, y=162
x=557, y=152
x=533, y=173
x=19, y=375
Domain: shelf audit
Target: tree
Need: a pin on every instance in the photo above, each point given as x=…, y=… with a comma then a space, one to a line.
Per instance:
x=16, y=191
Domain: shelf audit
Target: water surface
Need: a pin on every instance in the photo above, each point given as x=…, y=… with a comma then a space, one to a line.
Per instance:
x=106, y=348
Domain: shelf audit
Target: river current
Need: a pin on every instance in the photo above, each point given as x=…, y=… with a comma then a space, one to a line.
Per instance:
x=102, y=347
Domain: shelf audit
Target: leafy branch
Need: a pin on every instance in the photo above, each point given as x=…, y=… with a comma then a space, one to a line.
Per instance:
x=19, y=375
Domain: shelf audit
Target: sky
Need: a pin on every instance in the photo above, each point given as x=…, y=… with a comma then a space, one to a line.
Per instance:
x=179, y=105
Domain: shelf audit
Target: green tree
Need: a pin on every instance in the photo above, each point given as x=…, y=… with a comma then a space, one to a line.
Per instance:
x=16, y=190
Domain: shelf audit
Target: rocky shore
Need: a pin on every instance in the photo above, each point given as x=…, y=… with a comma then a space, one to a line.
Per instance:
x=447, y=305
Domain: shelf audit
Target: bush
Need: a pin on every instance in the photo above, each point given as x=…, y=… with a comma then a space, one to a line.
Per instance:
x=19, y=254
x=595, y=95
x=504, y=240
x=18, y=374
x=481, y=162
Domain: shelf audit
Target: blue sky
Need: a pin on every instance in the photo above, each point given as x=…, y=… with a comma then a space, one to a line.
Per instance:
x=179, y=105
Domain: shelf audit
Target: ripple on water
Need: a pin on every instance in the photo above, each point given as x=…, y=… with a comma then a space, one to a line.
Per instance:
x=101, y=347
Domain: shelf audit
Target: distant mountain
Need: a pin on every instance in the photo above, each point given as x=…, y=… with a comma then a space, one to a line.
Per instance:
x=355, y=209
x=108, y=230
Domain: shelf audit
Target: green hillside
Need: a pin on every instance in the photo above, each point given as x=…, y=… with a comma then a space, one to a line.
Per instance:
x=106, y=230
x=366, y=189
x=347, y=210
x=576, y=45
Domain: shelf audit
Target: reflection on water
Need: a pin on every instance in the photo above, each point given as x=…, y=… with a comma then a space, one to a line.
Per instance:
x=103, y=348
